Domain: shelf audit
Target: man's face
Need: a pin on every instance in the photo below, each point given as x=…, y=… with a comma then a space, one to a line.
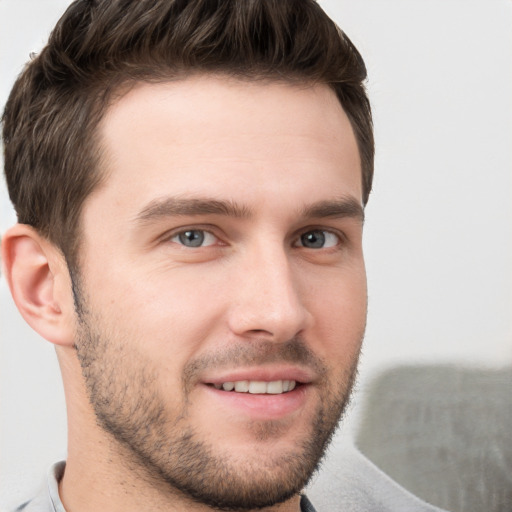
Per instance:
x=223, y=250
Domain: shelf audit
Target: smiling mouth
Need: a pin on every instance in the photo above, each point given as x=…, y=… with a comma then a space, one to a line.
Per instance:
x=257, y=387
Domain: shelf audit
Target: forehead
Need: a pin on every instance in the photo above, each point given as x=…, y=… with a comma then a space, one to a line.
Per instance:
x=217, y=136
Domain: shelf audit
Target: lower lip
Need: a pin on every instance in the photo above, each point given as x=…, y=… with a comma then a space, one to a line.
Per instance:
x=264, y=406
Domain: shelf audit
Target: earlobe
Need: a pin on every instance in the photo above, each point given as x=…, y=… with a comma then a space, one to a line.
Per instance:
x=32, y=267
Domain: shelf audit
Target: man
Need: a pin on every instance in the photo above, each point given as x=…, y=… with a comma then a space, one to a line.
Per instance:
x=190, y=181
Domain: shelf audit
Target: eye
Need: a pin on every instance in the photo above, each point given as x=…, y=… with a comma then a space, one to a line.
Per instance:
x=318, y=239
x=194, y=238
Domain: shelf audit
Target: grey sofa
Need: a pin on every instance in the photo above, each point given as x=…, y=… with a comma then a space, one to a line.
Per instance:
x=444, y=433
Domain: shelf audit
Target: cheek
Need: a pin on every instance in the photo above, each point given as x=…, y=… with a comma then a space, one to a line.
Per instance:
x=171, y=313
x=339, y=306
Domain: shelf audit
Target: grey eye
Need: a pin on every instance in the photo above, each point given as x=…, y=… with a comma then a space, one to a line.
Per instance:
x=318, y=239
x=194, y=238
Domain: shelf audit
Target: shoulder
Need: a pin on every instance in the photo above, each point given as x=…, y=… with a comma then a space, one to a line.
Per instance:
x=48, y=499
x=38, y=504
x=349, y=482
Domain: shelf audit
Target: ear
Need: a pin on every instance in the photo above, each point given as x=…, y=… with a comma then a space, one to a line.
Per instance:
x=38, y=278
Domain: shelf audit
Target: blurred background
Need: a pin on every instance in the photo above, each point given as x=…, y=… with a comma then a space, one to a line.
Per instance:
x=438, y=235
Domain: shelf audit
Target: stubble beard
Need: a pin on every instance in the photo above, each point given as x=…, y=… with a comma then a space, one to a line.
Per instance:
x=163, y=449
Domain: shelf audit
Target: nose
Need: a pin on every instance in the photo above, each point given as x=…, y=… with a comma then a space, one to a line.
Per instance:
x=268, y=301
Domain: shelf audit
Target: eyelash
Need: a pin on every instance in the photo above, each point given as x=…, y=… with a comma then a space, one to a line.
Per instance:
x=325, y=234
x=298, y=239
x=196, y=230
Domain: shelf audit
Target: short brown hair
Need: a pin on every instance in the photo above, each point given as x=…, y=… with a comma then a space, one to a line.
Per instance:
x=50, y=119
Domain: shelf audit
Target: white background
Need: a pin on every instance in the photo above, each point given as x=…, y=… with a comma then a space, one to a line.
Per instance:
x=438, y=235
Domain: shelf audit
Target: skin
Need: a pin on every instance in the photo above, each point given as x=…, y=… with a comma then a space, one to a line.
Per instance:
x=256, y=168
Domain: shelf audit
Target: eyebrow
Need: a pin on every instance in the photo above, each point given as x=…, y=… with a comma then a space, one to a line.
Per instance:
x=338, y=208
x=183, y=206
x=180, y=206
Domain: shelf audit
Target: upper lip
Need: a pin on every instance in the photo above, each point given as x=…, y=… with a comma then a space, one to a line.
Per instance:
x=265, y=374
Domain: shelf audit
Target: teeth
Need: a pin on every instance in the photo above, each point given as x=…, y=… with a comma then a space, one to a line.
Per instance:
x=257, y=387
x=242, y=386
x=275, y=387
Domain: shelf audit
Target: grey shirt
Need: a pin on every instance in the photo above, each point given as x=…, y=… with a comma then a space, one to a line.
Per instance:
x=350, y=484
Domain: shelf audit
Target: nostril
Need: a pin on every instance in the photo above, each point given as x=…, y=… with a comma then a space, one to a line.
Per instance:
x=260, y=332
